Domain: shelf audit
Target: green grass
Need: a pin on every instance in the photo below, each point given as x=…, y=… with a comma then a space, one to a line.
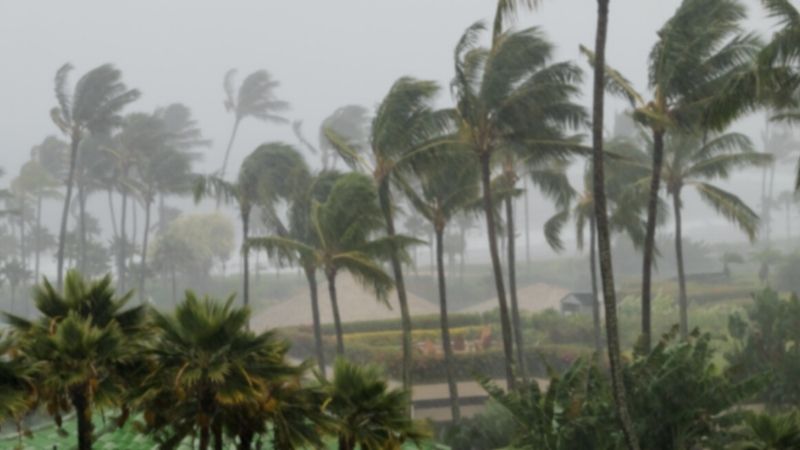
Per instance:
x=46, y=437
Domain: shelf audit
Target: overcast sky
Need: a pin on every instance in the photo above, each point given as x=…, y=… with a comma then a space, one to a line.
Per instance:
x=325, y=53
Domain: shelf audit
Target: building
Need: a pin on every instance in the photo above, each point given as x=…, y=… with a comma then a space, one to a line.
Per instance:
x=576, y=303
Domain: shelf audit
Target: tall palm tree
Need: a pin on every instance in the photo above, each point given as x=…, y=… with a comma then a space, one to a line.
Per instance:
x=254, y=98
x=50, y=156
x=603, y=229
x=700, y=52
x=87, y=344
x=510, y=96
x=93, y=107
x=404, y=125
x=344, y=226
x=271, y=172
x=446, y=188
x=695, y=161
x=205, y=361
x=370, y=415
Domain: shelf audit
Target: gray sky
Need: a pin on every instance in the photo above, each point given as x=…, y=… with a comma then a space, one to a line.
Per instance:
x=325, y=53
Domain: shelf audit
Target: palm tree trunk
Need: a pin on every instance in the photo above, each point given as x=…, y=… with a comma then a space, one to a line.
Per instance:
x=22, y=247
x=204, y=438
x=604, y=243
x=337, y=321
x=447, y=346
x=512, y=289
x=217, y=432
x=683, y=303
x=385, y=199
x=650, y=239
x=143, y=261
x=37, y=239
x=527, y=225
x=82, y=227
x=79, y=396
x=245, y=440
x=113, y=212
x=246, y=256
x=461, y=262
x=311, y=277
x=228, y=150
x=598, y=338
x=346, y=444
x=134, y=230
x=65, y=212
x=505, y=321
x=122, y=240
x=770, y=201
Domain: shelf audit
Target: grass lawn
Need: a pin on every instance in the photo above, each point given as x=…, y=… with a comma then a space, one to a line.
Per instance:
x=46, y=437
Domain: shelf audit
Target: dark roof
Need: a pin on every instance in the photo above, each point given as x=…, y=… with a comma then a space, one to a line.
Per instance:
x=586, y=298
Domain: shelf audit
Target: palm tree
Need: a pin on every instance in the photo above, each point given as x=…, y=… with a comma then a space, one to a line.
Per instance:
x=350, y=122
x=780, y=143
x=370, y=415
x=166, y=168
x=626, y=205
x=49, y=156
x=204, y=362
x=770, y=432
x=272, y=172
x=603, y=229
x=404, y=126
x=254, y=98
x=511, y=97
x=693, y=160
x=700, y=52
x=93, y=107
x=446, y=188
x=87, y=345
x=16, y=383
x=788, y=199
x=343, y=226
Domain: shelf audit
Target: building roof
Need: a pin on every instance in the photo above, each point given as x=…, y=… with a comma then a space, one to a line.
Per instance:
x=532, y=298
x=585, y=298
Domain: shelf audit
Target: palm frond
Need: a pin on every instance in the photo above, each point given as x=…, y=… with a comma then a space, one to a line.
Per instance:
x=731, y=207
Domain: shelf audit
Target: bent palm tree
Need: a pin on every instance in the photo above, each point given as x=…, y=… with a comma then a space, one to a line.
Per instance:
x=254, y=98
x=510, y=96
x=92, y=108
x=343, y=226
x=272, y=172
x=691, y=162
x=701, y=50
x=447, y=188
x=404, y=126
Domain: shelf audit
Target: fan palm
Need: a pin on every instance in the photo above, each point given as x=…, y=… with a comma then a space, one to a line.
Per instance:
x=700, y=52
x=93, y=107
x=368, y=413
x=511, y=98
x=206, y=362
x=404, y=125
x=87, y=346
x=446, y=188
x=16, y=382
x=343, y=226
x=271, y=172
x=254, y=98
x=695, y=161
x=767, y=432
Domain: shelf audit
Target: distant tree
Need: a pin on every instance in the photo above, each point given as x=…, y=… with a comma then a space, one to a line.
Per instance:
x=48, y=159
x=15, y=273
x=93, y=107
x=729, y=258
x=351, y=122
x=254, y=98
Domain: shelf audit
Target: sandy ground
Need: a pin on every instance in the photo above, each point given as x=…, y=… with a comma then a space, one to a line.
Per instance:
x=532, y=298
x=355, y=304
